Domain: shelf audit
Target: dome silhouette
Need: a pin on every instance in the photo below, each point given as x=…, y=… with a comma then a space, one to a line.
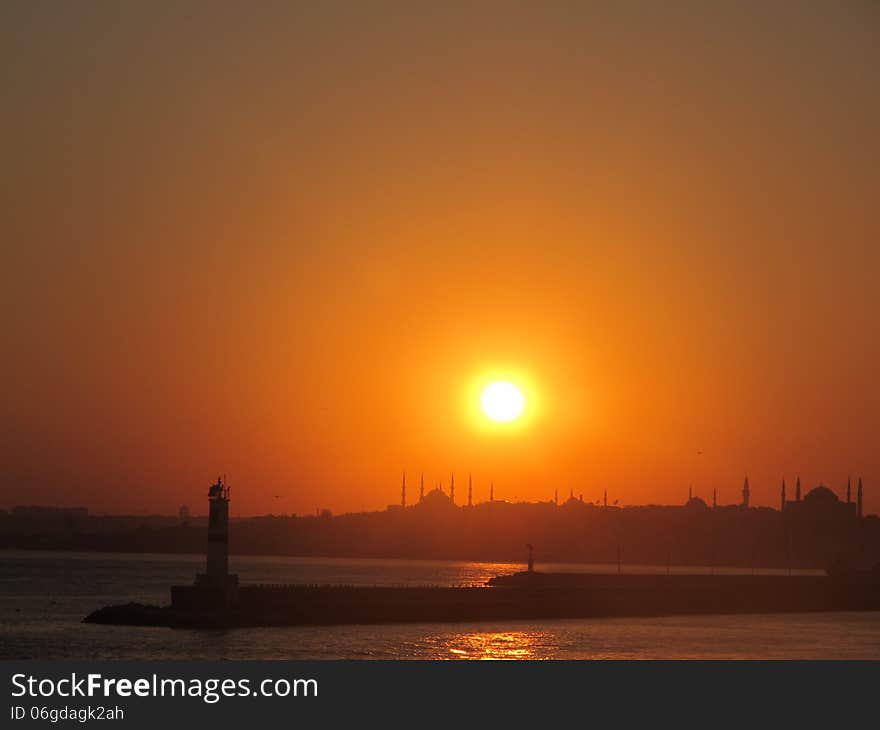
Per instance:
x=821, y=495
x=437, y=498
x=696, y=503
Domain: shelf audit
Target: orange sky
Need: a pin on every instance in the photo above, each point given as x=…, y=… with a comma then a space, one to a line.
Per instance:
x=283, y=244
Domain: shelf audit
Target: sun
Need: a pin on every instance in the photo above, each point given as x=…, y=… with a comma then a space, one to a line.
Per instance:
x=502, y=401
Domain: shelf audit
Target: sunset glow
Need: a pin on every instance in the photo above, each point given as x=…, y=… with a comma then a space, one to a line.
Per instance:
x=302, y=259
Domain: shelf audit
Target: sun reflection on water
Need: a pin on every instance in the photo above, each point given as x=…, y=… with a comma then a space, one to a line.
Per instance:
x=496, y=645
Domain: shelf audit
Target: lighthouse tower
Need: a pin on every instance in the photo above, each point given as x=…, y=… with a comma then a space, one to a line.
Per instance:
x=216, y=589
x=216, y=575
x=218, y=531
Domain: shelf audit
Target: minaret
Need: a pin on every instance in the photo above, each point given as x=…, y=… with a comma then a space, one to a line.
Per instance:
x=491, y=491
x=422, y=487
x=403, y=491
x=714, y=498
x=746, y=493
x=605, y=498
x=782, y=507
x=859, y=498
x=848, y=490
x=797, y=490
x=556, y=497
x=690, y=493
x=470, y=491
x=452, y=489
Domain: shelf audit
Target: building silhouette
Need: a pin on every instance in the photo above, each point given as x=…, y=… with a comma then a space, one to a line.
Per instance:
x=820, y=529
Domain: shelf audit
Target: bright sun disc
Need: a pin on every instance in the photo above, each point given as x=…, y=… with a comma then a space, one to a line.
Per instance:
x=502, y=401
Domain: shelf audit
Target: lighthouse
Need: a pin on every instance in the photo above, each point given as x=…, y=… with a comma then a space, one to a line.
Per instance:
x=218, y=531
x=217, y=577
